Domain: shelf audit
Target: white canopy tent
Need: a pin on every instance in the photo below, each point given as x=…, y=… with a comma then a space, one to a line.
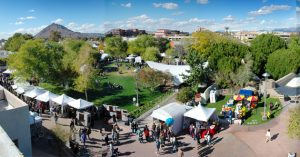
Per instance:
x=172, y=110
x=47, y=96
x=80, y=104
x=63, y=99
x=21, y=89
x=34, y=92
x=177, y=71
x=295, y=82
x=200, y=113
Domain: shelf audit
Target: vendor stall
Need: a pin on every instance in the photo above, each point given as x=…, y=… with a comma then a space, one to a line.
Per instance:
x=200, y=113
x=172, y=114
x=34, y=92
x=46, y=97
x=80, y=104
x=62, y=100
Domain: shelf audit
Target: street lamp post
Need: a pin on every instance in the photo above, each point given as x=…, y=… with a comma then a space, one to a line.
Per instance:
x=266, y=75
x=137, y=87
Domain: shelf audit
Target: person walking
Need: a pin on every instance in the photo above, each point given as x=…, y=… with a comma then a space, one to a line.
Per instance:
x=106, y=139
x=153, y=131
x=132, y=127
x=207, y=137
x=72, y=125
x=268, y=136
x=88, y=132
x=83, y=139
x=157, y=143
x=146, y=133
x=55, y=118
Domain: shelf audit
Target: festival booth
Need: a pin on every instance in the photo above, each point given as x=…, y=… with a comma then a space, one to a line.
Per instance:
x=171, y=114
x=202, y=115
x=62, y=101
x=83, y=118
x=44, y=99
x=34, y=92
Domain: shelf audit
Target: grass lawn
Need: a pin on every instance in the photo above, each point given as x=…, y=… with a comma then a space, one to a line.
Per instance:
x=255, y=116
x=104, y=94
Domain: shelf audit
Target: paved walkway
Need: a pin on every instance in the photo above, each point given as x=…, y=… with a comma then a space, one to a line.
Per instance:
x=236, y=141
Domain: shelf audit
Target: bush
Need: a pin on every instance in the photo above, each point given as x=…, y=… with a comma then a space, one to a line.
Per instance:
x=294, y=123
x=185, y=94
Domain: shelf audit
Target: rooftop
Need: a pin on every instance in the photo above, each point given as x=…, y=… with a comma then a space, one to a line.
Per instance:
x=7, y=147
x=9, y=101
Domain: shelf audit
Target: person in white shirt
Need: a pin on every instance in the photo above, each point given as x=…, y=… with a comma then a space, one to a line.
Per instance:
x=268, y=136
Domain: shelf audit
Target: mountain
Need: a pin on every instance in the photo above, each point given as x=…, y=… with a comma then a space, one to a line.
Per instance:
x=64, y=32
x=291, y=29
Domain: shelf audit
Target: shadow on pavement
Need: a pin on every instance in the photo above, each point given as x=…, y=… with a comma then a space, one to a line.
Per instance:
x=125, y=153
x=205, y=151
x=274, y=136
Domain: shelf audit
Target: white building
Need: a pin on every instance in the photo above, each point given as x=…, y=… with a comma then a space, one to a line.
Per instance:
x=15, y=122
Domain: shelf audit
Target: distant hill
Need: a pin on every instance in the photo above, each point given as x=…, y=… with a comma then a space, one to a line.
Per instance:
x=64, y=32
x=291, y=29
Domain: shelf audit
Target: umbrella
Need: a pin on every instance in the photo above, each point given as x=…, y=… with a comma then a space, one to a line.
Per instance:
x=169, y=121
x=252, y=98
x=238, y=97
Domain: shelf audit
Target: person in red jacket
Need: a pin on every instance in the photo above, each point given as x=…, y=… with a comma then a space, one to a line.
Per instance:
x=146, y=133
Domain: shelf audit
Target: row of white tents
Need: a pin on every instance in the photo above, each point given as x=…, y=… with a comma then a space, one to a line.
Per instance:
x=179, y=112
x=43, y=95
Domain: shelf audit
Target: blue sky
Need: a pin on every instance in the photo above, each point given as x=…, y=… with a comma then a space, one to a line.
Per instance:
x=30, y=16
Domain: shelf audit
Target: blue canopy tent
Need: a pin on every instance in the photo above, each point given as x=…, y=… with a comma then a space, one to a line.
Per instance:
x=246, y=92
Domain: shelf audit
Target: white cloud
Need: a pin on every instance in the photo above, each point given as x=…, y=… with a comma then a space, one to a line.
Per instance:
x=202, y=1
x=58, y=21
x=141, y=17
x=168, y=6
x=264, y=1
x=31, y=10
x=128, y=5
x=229, y=18
x=4, y=35
x=33, y=30
x=22, y=19
x=177, y=13
x=18, y=22
x=187, y=1
x=85, y=28
x=269, y=9
x=27, y=18
x=297, y=9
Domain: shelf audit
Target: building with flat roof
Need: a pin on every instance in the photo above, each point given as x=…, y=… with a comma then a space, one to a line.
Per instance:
x=14, y=120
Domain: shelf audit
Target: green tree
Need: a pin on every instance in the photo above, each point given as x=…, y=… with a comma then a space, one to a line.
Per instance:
x=152, y=79
x=283, y=62
x=294, y=123
x=198, y=73
x=204, y=39
x=171, y=53
x=37, y=60
x=84, y=65
x=294, y=43
x=185, y=94
x=16, y=41
x=244, y=73
x=116, y=47
x=139, y=45
x=151, y=54
x=262, y=46
x=163, y=44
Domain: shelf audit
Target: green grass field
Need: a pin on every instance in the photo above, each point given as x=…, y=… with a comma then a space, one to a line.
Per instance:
x=112, y=96
x=254, y=117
